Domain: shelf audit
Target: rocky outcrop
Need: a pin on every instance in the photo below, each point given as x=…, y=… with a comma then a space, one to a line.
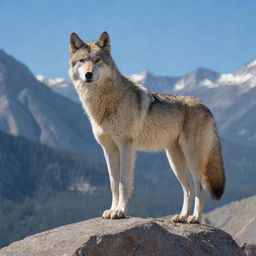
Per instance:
x=130, y=236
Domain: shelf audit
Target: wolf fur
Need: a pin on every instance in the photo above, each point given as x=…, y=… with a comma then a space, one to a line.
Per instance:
x=126, y=117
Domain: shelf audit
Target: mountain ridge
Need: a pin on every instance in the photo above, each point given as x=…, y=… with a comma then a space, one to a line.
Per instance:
x=30, y=108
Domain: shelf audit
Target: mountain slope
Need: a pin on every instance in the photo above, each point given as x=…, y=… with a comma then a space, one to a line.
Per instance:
x=28, y=167
x=240, y=118
x=59, y=85
x=29, y=108
x=237, y=218
x=41, y=187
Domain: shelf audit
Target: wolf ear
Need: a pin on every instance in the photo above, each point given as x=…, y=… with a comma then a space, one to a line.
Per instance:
x=75, y=43
x=104, y=42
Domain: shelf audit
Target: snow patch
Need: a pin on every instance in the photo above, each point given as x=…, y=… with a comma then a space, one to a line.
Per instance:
x=138, y=77
x=208, y=83
x=179, y=86
x=231, y=79
x=252, y=64
x=53, y=82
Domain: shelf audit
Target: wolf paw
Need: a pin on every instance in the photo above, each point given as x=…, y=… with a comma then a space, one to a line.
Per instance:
x=179, y=218
x=117, y=214
x=106, y=214
x=193, y=220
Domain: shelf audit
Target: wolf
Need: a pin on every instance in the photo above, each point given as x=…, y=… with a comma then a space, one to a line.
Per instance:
x=126, y=117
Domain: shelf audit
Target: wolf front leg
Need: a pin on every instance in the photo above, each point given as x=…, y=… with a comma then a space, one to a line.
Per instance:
x=112, y=156
x=127, y=161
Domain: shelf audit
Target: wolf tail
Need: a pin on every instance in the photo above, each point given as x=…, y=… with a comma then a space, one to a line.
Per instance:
x=214, y=175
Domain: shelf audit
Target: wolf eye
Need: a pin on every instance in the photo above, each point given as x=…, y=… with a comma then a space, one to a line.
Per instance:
x=98, y=59
x=82, y=60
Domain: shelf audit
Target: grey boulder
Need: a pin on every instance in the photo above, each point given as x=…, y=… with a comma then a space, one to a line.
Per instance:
x=130, y=236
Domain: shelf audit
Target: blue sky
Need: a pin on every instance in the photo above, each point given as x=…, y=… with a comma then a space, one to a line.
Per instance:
x=169, y=37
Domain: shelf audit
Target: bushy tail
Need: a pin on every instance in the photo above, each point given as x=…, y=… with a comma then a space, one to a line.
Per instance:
x=214, y=173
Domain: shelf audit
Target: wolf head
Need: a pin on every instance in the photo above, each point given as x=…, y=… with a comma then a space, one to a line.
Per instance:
x=90, y=61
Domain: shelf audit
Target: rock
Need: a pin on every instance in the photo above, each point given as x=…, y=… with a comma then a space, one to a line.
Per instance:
x=130, y=236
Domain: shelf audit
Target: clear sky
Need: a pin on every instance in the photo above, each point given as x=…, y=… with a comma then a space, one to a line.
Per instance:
x=169, y=37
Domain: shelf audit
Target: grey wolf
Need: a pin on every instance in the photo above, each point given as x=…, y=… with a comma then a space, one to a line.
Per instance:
x=126, y=117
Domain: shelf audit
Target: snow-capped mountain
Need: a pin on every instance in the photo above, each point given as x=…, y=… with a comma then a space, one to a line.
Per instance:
x=60, y=86
x=245, y=78
x=231, y=97
x=199, y=78
x=154, y=82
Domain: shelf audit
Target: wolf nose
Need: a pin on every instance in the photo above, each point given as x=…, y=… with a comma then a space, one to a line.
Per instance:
x=88, y=75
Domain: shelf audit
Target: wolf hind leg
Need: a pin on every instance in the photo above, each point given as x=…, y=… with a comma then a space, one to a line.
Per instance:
x=199, y=200
x=179, y=166
x=196, y=166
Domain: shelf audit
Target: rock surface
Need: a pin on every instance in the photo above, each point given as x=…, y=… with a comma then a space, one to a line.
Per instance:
x=131, y=236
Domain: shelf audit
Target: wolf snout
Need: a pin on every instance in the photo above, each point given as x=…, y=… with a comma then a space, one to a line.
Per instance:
x=88, y=76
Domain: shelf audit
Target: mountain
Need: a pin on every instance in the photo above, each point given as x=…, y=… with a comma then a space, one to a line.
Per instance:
x=59, y=85
x=237, y=218
x=31, y=109
x=154, y=82
x=28, y=167
x=41, y=187
x=231, y=97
